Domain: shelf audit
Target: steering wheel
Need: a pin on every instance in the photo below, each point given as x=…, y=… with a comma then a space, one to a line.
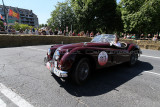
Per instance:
x=123, y=44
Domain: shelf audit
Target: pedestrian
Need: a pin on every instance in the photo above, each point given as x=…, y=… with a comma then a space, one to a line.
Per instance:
x=133, y=36
x=87, y=34
x=33, y=31
x=155, y=38
x=122, y=35
x=64, y=32
x=21, y=31
x=142, y=36
x=13, y=31
x=55, y=31
x=27, y=31
x=36, y=32
x=79, y=34
x=125, y=37
x=47, y=32
x=82, y=33
x=50, y=32
x=9, y=30
x=98, y=34
x=73, y=34
x=60, y=32
x=70, y=33
x=30, y=31
x=43, y=32
x=128, y=36
x=149, y=37
x=39, y=31
x=91, y=34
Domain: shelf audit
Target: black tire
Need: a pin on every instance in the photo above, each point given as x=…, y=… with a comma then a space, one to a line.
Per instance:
x=81, y=71
x=133, y=59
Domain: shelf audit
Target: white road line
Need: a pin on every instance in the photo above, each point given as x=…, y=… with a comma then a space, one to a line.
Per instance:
x=150, y=56
x=15, y=98
x=152, y=73
x=36, y=49
x=2, y=104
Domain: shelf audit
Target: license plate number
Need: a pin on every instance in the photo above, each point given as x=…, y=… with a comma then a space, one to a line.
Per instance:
x=56, y=72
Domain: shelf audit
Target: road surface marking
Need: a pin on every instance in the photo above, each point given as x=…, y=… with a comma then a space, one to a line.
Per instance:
x=15, y=98
x=150, y=56
x=2, y=104
x=152, y=73
x=36, y=49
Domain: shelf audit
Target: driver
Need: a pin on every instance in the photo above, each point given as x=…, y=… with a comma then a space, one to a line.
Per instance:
x=116, y=42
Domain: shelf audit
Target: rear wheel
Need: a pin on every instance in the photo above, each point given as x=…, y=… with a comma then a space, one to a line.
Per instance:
x=133, y=59
x=81, y=71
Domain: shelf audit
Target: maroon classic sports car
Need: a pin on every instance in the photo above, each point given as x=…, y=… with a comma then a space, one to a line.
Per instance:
x=79, y=60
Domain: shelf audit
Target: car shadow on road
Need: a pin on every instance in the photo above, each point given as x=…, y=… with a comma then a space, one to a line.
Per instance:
x=105, y=80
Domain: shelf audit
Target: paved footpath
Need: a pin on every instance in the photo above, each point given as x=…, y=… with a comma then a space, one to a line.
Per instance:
x=25, y=82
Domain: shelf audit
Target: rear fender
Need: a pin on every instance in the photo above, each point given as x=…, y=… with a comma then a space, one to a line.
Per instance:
x=134, y=47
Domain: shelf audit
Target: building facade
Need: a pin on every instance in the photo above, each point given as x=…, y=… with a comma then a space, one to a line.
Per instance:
x=25, y=16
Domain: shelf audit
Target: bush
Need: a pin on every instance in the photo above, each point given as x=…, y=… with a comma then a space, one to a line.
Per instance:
x=18, y=26
x=1, y=23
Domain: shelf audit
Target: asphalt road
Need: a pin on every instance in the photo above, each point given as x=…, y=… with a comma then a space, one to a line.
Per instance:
x=25, y=81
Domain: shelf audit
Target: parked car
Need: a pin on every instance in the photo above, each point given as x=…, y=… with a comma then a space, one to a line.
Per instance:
x=79, y=60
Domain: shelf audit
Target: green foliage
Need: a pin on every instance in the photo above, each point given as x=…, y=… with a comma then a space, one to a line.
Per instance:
x=141, y=16
x=97, y=15
x=87, y=15
x=61, y=17
x=1, y=24
x=41, y=25
x=105, y=16
x=18, y=26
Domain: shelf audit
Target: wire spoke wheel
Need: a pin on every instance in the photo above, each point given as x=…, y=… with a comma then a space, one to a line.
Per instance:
x=133, y=59
x=81, y=71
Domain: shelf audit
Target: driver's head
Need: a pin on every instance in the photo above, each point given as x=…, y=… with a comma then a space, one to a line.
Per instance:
x=116, y=39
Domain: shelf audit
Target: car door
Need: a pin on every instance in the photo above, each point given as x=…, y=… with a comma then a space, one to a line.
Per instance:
x=122, y=55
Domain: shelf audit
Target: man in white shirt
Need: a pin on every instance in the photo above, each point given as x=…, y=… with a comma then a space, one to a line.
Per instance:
x=116, y=42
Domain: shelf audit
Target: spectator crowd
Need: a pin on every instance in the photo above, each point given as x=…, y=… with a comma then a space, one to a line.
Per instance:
x=47, y=31
x=153, y=37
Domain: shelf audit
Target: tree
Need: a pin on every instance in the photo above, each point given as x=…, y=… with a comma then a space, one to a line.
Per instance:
x=61, y=17
x=101, y=15
x=141, y=16
x=18, y=26
x=41, y=25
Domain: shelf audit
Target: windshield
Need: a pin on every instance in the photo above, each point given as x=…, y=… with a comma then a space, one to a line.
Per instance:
x=104, y=38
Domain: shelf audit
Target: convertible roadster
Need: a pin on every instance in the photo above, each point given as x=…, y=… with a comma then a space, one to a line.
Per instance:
x=79, y=60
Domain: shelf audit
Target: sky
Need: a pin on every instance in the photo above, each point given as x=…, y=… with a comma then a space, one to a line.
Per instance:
x=42, y=8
